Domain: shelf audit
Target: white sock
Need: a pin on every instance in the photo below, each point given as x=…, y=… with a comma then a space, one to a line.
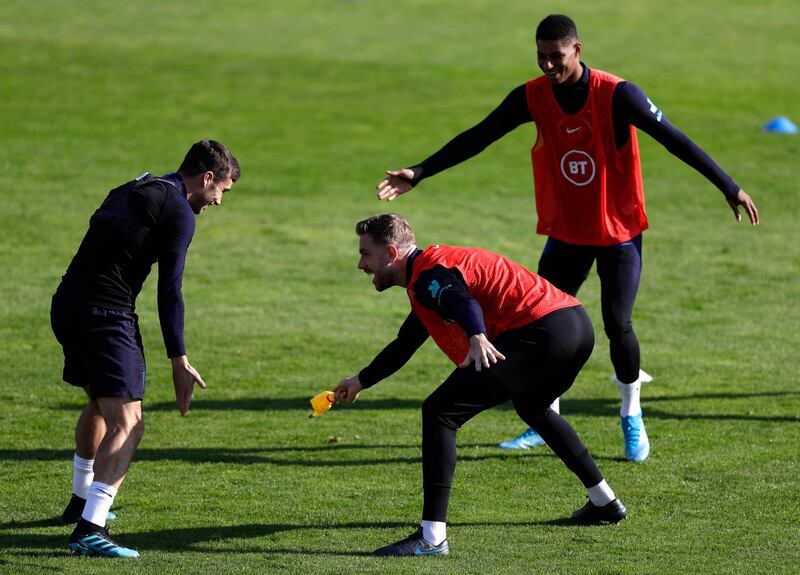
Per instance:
x=82, y=475
x=601, y=494
x=629, y=392
x=98, y=502
x=434, y=532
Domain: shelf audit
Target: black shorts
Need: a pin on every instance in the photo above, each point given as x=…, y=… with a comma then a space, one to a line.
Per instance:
x=102, y=349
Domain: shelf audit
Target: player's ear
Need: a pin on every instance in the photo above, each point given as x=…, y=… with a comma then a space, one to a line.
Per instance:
x=208, y=177
x=578, y=50
x=392, y=250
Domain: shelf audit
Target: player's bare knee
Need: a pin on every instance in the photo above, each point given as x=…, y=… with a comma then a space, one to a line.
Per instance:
x=131, y=429
x=123, y=417
x=135, y=424
x=136, y=428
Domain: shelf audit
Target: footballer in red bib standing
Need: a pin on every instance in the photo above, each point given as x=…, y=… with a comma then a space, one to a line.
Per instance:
x=589, y=192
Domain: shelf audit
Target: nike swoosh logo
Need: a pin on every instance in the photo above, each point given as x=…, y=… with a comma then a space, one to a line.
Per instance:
x=419, y=551
x=573, y=130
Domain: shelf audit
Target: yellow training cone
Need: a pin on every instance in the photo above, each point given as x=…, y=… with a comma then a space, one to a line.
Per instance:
x=322, y=402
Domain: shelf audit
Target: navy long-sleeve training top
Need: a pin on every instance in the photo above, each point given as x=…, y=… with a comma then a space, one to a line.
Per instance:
x=138, y=223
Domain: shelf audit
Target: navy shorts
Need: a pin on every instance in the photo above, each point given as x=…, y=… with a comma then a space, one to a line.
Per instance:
x=103, y=350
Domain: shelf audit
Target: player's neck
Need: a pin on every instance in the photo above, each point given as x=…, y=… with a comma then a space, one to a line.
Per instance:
x=575, y=77
x=404, y=267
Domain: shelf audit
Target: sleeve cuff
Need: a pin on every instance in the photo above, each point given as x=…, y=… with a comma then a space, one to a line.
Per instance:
x=367, y=380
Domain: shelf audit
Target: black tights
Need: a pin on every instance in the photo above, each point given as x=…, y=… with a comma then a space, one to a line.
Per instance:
x=567, y=266
x=542, y=361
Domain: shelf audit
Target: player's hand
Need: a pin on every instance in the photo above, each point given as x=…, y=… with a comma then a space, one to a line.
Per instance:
x=747, y=203
x=395, y=183
x=348, y=389
x=184, y=376
x=481, y=352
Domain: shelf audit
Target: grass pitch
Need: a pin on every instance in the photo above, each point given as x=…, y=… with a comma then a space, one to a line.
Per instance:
x=316, y=99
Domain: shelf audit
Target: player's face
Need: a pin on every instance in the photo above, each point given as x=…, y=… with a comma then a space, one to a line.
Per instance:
x=376, y=260
x=559, y=60
x=210, y=194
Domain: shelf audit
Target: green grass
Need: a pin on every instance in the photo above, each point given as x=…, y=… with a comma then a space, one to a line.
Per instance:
x=316, y=98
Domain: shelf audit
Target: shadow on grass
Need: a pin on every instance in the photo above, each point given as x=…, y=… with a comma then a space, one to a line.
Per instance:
x=296, y=456
x=33, y=567
x=570, y=406
x=256, y=455
x=210, y=539
x=610, y=407
x=265, y=404
x=54, y=521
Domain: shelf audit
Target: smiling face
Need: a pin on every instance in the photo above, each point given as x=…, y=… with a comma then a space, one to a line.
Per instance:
x=206, y=191
x=560, y=60
x=376, y=259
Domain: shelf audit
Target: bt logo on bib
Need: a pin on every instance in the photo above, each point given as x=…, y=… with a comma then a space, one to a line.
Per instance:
x=578, y=167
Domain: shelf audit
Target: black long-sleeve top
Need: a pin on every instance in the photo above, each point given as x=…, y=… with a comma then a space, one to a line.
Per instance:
x=630, y=107
x=138, y=223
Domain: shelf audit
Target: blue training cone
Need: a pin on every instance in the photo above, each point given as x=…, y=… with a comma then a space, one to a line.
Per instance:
x=780, y=125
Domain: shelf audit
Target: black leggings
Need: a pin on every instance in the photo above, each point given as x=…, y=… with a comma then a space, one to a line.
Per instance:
x=619, y=267
x=542, y=361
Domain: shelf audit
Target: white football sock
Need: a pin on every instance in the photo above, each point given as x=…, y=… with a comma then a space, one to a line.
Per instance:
x=98, y=502
x=434, y=532
x=82, y=475
x=601, y=494
x=629, y=392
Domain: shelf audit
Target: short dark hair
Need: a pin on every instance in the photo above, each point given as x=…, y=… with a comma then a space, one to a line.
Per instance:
x=387, y=229
x=210, y=155
x=557, y=27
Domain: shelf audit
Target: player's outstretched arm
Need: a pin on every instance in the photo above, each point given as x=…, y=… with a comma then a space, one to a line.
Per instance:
x=348, y=389
x=184, y=377
x=744, y=200
x=481, y=352
x=512, y=112
x=633, y=107
x=397, y=182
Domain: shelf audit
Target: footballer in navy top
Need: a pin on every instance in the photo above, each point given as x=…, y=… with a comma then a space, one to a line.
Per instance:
x=139, y=223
